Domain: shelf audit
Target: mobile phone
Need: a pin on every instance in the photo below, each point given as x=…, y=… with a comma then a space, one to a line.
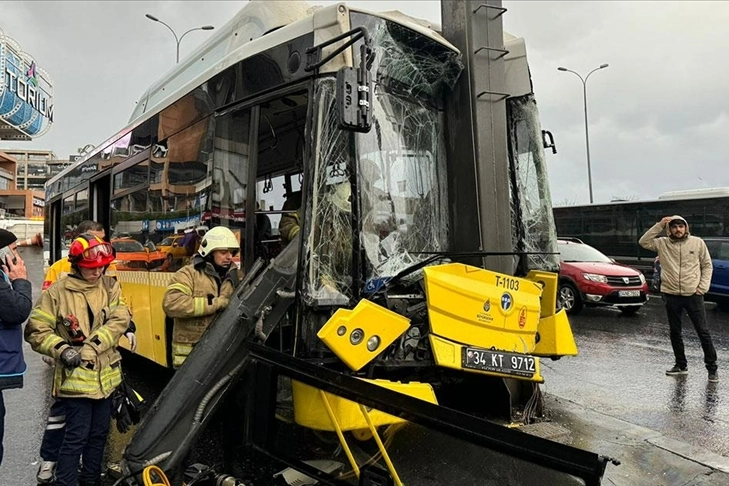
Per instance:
x=6, y=252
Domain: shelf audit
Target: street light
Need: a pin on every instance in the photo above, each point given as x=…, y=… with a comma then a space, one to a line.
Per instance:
x=587, y=133
x=178, y=40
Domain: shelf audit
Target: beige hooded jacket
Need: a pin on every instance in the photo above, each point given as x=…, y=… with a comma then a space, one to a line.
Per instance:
x=686, y=267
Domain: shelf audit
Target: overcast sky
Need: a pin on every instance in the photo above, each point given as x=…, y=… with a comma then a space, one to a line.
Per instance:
x=657, y=116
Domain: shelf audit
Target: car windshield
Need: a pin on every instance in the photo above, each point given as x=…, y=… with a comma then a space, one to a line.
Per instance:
x=572, y=252
x=166, y=242
x=130, y=246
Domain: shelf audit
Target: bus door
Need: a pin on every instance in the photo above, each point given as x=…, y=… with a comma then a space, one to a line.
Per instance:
x=135, y=262
x=55, y=252
x=100, y=195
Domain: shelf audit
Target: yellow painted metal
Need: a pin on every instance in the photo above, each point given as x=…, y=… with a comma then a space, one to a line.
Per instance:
x=555, y=336
x=338, y=430
x=380, y=446
x=348, y=332
x=550, y=283
x=310, y=409
x=482, y=308
x=448, y=354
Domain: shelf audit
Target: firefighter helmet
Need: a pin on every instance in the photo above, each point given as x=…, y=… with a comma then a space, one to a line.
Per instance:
x=89, y=251
x=218, y=238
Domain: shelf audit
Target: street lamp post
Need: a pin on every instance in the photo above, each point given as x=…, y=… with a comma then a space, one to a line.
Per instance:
x=587, y=132
x=178, y=39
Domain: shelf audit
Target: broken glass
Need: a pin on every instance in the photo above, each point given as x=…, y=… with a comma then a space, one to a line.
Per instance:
x=401, y=161
x=531, y=204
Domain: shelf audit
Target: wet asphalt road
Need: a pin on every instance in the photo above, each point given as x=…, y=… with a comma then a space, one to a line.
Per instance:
x=619, y=372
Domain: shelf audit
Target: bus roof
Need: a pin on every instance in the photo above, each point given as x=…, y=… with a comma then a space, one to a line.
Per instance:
x=696, y=193
x=705, y=193
x=258, y=26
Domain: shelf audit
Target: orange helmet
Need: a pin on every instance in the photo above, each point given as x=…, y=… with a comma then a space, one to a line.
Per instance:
x=89, y=251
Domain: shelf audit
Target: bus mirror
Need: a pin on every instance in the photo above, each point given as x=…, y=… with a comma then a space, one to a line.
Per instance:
x=353, y=99
x=548, y=141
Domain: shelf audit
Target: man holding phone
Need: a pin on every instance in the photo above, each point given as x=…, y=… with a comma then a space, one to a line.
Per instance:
x=15, y=306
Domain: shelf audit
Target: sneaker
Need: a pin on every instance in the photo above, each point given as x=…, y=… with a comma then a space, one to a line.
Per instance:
x=45, y=472
x=714, y=377
x=676, y=370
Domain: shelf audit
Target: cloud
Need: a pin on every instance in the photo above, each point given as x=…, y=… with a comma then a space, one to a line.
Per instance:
x=657, y=116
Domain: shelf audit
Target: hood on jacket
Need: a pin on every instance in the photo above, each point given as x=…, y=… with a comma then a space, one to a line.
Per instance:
x=680, y=219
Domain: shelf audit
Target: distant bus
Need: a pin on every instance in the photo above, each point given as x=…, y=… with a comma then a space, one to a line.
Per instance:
x=614, y=228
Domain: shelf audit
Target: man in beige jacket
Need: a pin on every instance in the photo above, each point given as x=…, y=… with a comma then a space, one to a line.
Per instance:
x=685, y=277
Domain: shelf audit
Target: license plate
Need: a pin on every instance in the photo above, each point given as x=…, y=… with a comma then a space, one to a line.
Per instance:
x=629, y=293
x=499, y=362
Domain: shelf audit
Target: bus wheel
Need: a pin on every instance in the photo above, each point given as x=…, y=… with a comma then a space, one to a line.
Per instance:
x=569, y=298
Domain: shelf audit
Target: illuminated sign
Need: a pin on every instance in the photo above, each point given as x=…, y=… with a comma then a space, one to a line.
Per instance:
x=26, y=94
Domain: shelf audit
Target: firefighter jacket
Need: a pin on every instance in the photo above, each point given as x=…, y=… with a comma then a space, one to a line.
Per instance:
x=193, y=298
x=15, y=305
x=290, y=223
x=62, y=268
x=686, y=266
x=102, y=316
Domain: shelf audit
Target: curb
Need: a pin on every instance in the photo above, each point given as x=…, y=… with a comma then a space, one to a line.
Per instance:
x=581, y=414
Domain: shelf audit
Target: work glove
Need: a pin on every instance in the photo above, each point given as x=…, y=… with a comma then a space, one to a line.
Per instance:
x=48, y=360
x=125, y=407
x=220, y=303
x=132, y=340
x=70, y=357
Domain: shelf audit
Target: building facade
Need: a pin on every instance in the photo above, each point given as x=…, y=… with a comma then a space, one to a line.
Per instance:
x=16, y=202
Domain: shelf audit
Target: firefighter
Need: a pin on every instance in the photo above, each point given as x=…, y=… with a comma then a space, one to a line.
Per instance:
x=200, y=289
x=78, y=321
x=56, y=421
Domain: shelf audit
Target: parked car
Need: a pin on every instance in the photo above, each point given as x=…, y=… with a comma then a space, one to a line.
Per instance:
x=588, y=277
x=719, y=290
x=131, y=255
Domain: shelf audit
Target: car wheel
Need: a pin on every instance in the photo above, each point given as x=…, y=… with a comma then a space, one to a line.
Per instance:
x=630, y=310
x=569, y=298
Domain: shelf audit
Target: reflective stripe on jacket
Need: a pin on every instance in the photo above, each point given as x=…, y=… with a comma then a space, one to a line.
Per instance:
x=189, y=301
x=102, y=316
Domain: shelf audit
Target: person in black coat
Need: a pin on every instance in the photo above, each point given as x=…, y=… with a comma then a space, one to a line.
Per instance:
x=15, y=306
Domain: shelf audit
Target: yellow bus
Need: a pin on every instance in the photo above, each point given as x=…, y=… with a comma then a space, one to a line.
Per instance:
x=337, y=114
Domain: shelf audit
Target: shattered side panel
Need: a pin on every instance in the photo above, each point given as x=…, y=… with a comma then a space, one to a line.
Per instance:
x=328, y=242
x=531, y=203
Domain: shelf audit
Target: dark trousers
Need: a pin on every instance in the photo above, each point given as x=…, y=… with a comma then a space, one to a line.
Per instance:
x=694, y=306
x=87, y=426
x=2, y=425
x=53, y=435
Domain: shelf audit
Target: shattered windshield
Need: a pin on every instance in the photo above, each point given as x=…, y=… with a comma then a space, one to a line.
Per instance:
x=399, y=191
x=401, y=161
x=531, y=204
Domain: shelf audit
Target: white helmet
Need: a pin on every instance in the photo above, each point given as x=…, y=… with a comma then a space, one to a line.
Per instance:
x=218, y=238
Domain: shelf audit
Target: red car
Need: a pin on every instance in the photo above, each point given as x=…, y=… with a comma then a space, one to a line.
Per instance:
x=588, y=277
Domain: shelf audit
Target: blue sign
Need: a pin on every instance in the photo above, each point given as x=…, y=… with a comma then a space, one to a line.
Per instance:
x=176, y=223
x=26, y=93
